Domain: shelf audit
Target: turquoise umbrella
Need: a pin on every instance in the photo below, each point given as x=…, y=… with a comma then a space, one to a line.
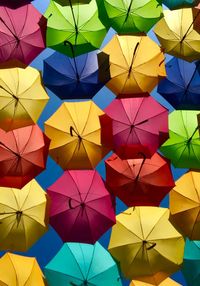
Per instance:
x=177, y=4
x=78, y=264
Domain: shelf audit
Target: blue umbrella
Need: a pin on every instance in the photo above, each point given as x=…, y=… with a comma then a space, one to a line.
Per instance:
x=177, y=4
x=78, y=77
x=181, y=87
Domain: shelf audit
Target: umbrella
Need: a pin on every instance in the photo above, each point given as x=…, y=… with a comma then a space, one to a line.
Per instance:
x=137, y=126
x=75, y=133
x=72, y=2
x=17, y=270
x=132, y=69
x=185, y=205
x=146, y=244
x=139, y=181
x=191, y=269
x=22, y=33
x=178, y=33
x=177, y=4
x=182, y=147
x=181, y=87
x=78, y=24
x=81, y=77
x=129, y=17
x=78, y=264
x=82, y=209
x=22, y=157
x=22, y=97
x=23, y=216
x=166, y=282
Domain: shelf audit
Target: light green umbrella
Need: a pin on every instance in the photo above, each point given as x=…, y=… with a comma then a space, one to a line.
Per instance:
x=183, y=145
x=79, y=264
x=74, y=29
x=130, y=16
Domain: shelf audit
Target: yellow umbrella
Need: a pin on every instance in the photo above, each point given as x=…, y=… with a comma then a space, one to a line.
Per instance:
x=146, y=244
x=22, y=97
x=133, y=70
x=178, y=33
x=75, y=133
x=185, y=205
x=23, y=216
x=166, y=282
x=17, y=270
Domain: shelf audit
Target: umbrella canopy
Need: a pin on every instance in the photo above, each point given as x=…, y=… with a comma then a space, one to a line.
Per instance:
x=23, y=216
x=22, y=97
x=75, y=133
x=74, y=30
x=72, y=2
x=139, y=182
x=177, y=4
x=182, y=147
x=17, y=270
x=78, y=78
x=185, y=205
x=22, y=157
x=132, y=69
x=79, y=264
x=166, y=282
x=22, y=32
x=129, y=17
x=190, y=269
x=146, y=244
x=178, y=33
x=82, y=209
x=181, y=87
x=135, y=127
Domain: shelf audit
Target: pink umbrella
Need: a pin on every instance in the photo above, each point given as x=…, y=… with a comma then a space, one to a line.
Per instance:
x=81, y=209
x=134, y=127
x=22, y=33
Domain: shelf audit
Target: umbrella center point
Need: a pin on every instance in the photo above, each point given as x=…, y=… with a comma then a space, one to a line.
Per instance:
x=82, y=204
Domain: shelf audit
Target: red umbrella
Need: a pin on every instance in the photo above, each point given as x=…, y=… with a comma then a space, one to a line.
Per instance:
x=23, y=155
x=81, y=209
x=139, y=182
x=134, y=126
x=22, y=33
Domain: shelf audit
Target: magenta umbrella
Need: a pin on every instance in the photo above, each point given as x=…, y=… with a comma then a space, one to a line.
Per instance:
x=22, y=33
x=134, y=127
x=81, y=207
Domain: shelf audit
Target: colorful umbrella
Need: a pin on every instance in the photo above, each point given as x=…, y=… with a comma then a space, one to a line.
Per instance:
x=78, y=78
x=135, y=127
x=78, y=264
x=82, y=209
x=129, y=17
x=182, y=147
x=23, y=216
x=72, y=2
x=22, y=97
x=75, y=133
x=17, y=270
x=139, y=182
x=132, y=69
x=146, y=244
x=78, y=24
x=22, y=33
x=185, y=205
x=191, y=269
x=177, y=4
x=22, y=157
x=166, y=282
x=181, y=87
x=178, y=33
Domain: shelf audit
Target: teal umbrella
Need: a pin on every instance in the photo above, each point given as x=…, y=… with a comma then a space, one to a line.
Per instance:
x=78, y=264
x=177, y=4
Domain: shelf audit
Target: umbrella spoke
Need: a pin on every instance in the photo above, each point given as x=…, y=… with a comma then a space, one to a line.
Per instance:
x=186, y=33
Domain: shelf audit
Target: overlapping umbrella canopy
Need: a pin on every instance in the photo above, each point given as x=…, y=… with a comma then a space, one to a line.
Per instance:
x=177, y=4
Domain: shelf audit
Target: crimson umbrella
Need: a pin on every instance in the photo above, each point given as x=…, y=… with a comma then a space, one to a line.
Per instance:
x=134, y=127
x=81, y=209
x=22, y=33
x=139, y=182
x=23, y=155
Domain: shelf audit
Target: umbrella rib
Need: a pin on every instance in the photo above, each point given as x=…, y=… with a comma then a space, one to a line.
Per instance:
x=25, y=20
x=91, y=261
x=91, y=184
x=31, y=272
x=86, y=121
x=28, y=141
x=68, y=275
x=76, y=262
x=30, y=186
x=155, y=224
x=75, y=183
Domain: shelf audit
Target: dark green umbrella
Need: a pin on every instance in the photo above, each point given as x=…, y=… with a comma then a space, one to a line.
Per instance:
x=71, y=2
x=75, y=29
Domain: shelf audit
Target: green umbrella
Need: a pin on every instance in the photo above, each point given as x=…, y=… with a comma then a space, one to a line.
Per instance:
x=78, y=264
x=74, y=30
x=130, y=16
x=183, y=145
